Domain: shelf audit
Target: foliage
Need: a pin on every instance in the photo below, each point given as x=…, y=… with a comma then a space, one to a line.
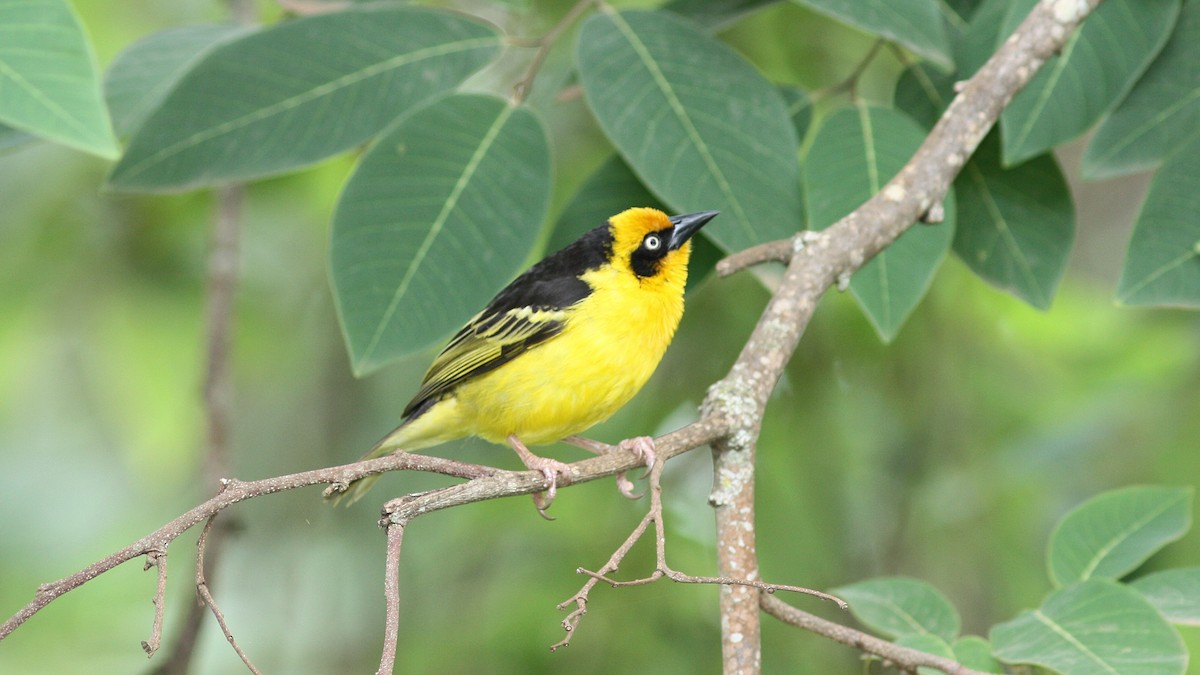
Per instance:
x=460, y=181
x=1092, y=622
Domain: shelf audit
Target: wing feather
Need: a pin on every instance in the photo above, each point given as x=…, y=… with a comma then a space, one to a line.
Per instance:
x=487, y=342
x=530, y=310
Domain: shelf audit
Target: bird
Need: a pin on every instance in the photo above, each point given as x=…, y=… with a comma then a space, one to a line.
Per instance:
x=559, y=349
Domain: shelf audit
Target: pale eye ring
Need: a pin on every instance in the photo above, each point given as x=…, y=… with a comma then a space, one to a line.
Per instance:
x=652, y=242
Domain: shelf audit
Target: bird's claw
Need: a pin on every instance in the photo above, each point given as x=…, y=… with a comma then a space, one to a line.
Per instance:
x=550, y=470
x=625, y=487
x=642, y=447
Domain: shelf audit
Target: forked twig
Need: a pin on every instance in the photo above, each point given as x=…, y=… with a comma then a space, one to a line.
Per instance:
x=662, y=569
x=206, y=596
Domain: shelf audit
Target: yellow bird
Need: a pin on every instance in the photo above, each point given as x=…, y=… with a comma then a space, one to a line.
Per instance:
x=559, y=349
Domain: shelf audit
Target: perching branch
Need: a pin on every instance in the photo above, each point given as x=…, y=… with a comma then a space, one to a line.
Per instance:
x=733, y=410
x=817, y=262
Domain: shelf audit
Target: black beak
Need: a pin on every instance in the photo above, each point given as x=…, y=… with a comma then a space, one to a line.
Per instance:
x=687, y=225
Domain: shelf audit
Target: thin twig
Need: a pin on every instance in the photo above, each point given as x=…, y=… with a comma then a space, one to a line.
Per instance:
x=903, y=657
x=655, y=515
x=157, y=559
x=236, y=491
x=391, y=594
x=206, y=596
x=580, y=599
x=524, y=86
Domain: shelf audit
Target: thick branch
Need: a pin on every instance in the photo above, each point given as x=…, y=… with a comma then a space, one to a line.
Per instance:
x=817, y=262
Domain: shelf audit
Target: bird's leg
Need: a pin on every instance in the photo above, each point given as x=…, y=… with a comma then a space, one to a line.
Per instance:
x=641, y=446
x=550, y=468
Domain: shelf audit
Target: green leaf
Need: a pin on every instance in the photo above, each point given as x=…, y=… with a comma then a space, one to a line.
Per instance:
x=1162, y=265
x=12, y=138
x=1015, y=226
x=49, y=82
x=982, y=36
x=700, y=127
x=896, y=606
x=298, y=92
x=611, y=189
x=1175, y=593
x=715, y=14
x=141, y=76
x=923, y=94
x=1095, y=626
x=930, y=644
x=915, y=24
x=437, y=217
x=855, y=152
x=1098, y=65
x=1160, y=114
x=1111, y=534
x=975, y=652
x=799, y=107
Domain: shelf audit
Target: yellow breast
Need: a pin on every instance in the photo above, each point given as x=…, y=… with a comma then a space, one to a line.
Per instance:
x=613, y=341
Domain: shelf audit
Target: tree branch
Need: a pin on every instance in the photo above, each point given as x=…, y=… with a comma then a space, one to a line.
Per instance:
x=818, y=262
x=903, y=657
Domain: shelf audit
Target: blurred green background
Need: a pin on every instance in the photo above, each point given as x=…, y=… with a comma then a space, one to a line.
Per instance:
x=946, y=456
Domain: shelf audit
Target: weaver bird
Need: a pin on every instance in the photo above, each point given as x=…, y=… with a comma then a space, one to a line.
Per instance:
x=559, y=349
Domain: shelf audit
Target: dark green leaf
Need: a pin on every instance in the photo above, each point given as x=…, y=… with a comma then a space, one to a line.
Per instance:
x=1175, y=593
x=1162, y=265
x=611, y=189
x=915, y=24
x=715, y=14
x=700, y=127
x=1095, y=626
x=896, y=606
x=49, y=82
x=141, y=76
x=298, y=92
x=12, y=138
x=1015, y=226
x=438, y=216
x=1111, y=534
x=924, y=93
x=1097, y=67
x=799, y=107
x=982, y=37
x=855, y=152
x=1160, y=114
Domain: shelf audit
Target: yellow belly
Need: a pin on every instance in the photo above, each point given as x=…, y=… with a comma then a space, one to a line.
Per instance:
x=581, y=377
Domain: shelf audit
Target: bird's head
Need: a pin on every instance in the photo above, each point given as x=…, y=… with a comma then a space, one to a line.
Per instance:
x=652, y=243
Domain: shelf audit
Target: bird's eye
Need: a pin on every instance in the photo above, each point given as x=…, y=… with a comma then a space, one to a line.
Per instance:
x=652, y=242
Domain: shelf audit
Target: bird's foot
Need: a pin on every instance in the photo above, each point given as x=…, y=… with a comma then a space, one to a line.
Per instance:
x=549, y=468
x=641, y=446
